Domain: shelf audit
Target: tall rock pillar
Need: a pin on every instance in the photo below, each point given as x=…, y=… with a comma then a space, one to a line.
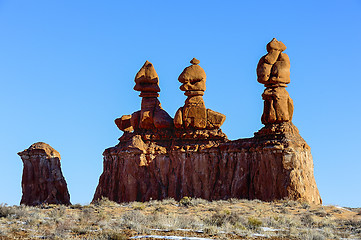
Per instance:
x=282, y=166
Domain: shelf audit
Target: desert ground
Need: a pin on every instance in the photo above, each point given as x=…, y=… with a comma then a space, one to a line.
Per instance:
x=184, y=219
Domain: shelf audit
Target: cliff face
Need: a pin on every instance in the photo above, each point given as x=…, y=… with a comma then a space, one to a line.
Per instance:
x=275, y=164
x=42, y=180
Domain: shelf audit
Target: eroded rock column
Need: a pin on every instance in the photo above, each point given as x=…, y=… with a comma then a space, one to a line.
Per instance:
x=151, y=116
x=194, y=114
x=43, y=180
x=282, y=164
x=273, y=71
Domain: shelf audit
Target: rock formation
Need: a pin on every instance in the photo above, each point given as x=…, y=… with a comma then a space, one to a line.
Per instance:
x=42, y=180
x=273, y=71
x=151, y=115
x=196, y=159
x=194, y=115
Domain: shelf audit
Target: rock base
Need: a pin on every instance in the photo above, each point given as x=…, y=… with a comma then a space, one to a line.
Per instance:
x=275, y=164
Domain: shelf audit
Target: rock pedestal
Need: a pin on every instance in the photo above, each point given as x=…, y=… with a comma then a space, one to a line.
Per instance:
x=275, y=164
x=42, y=180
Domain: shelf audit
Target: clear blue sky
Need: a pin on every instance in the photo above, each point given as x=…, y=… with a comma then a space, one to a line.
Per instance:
x=67, y=71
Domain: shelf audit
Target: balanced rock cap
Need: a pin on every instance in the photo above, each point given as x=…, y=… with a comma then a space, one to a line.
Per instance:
x=193, y=73
x=42, y=146
x=146, y=79
x=275, y=45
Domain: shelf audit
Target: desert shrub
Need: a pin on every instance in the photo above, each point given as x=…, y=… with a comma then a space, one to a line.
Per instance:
x=307, y=220
x=290, y=203
x=283, y=210
x=256, y=201
x=186, y=201
x=86, y=215
x=154, y=203
x=111, y=235
x=321, y=212
x=105, y=202
x=117, y=236
x=168, y=201
x=58, y=212
x=5, y=211
x=271, y=222
x=23, y=211
x=138, y=206
x=199, y=201
x=79, y=231
x=76, y=206
x=220, y=203
x=351, y=225
x=159, y=209
x=187, y=222
x=244, y=200
x=235, y=200
x=305, y=205
x=220, y=219
x=136, y=220
x=254, y=223
x=311, y=234
x=161, y=221
x=336, y=210
x=210, y=230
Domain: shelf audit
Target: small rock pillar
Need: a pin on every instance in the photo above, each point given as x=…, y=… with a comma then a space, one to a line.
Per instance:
x=42, y=180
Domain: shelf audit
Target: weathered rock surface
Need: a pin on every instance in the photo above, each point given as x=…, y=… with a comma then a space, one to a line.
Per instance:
x=42, y=180
x=275, y=164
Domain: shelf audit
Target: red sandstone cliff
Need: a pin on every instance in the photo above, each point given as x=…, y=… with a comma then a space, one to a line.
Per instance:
x=275, y=164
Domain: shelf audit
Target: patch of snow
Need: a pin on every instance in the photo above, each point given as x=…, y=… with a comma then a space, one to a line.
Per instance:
x=345, y=209
x=267, y=229
x=179, y=229
x=169, y=237
x=258, y=235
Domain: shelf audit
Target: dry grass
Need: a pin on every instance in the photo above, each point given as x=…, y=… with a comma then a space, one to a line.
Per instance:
x=232, y=219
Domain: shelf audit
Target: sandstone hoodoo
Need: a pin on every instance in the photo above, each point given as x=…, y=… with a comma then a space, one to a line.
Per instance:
x=191, y=156
x=151, y=116
x=285, y=165
x=273, y=71
x=42, y=180
x=194, y=115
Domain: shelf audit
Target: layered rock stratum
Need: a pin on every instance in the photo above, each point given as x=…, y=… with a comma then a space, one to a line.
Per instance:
x=193, y=157
x=42, y=180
